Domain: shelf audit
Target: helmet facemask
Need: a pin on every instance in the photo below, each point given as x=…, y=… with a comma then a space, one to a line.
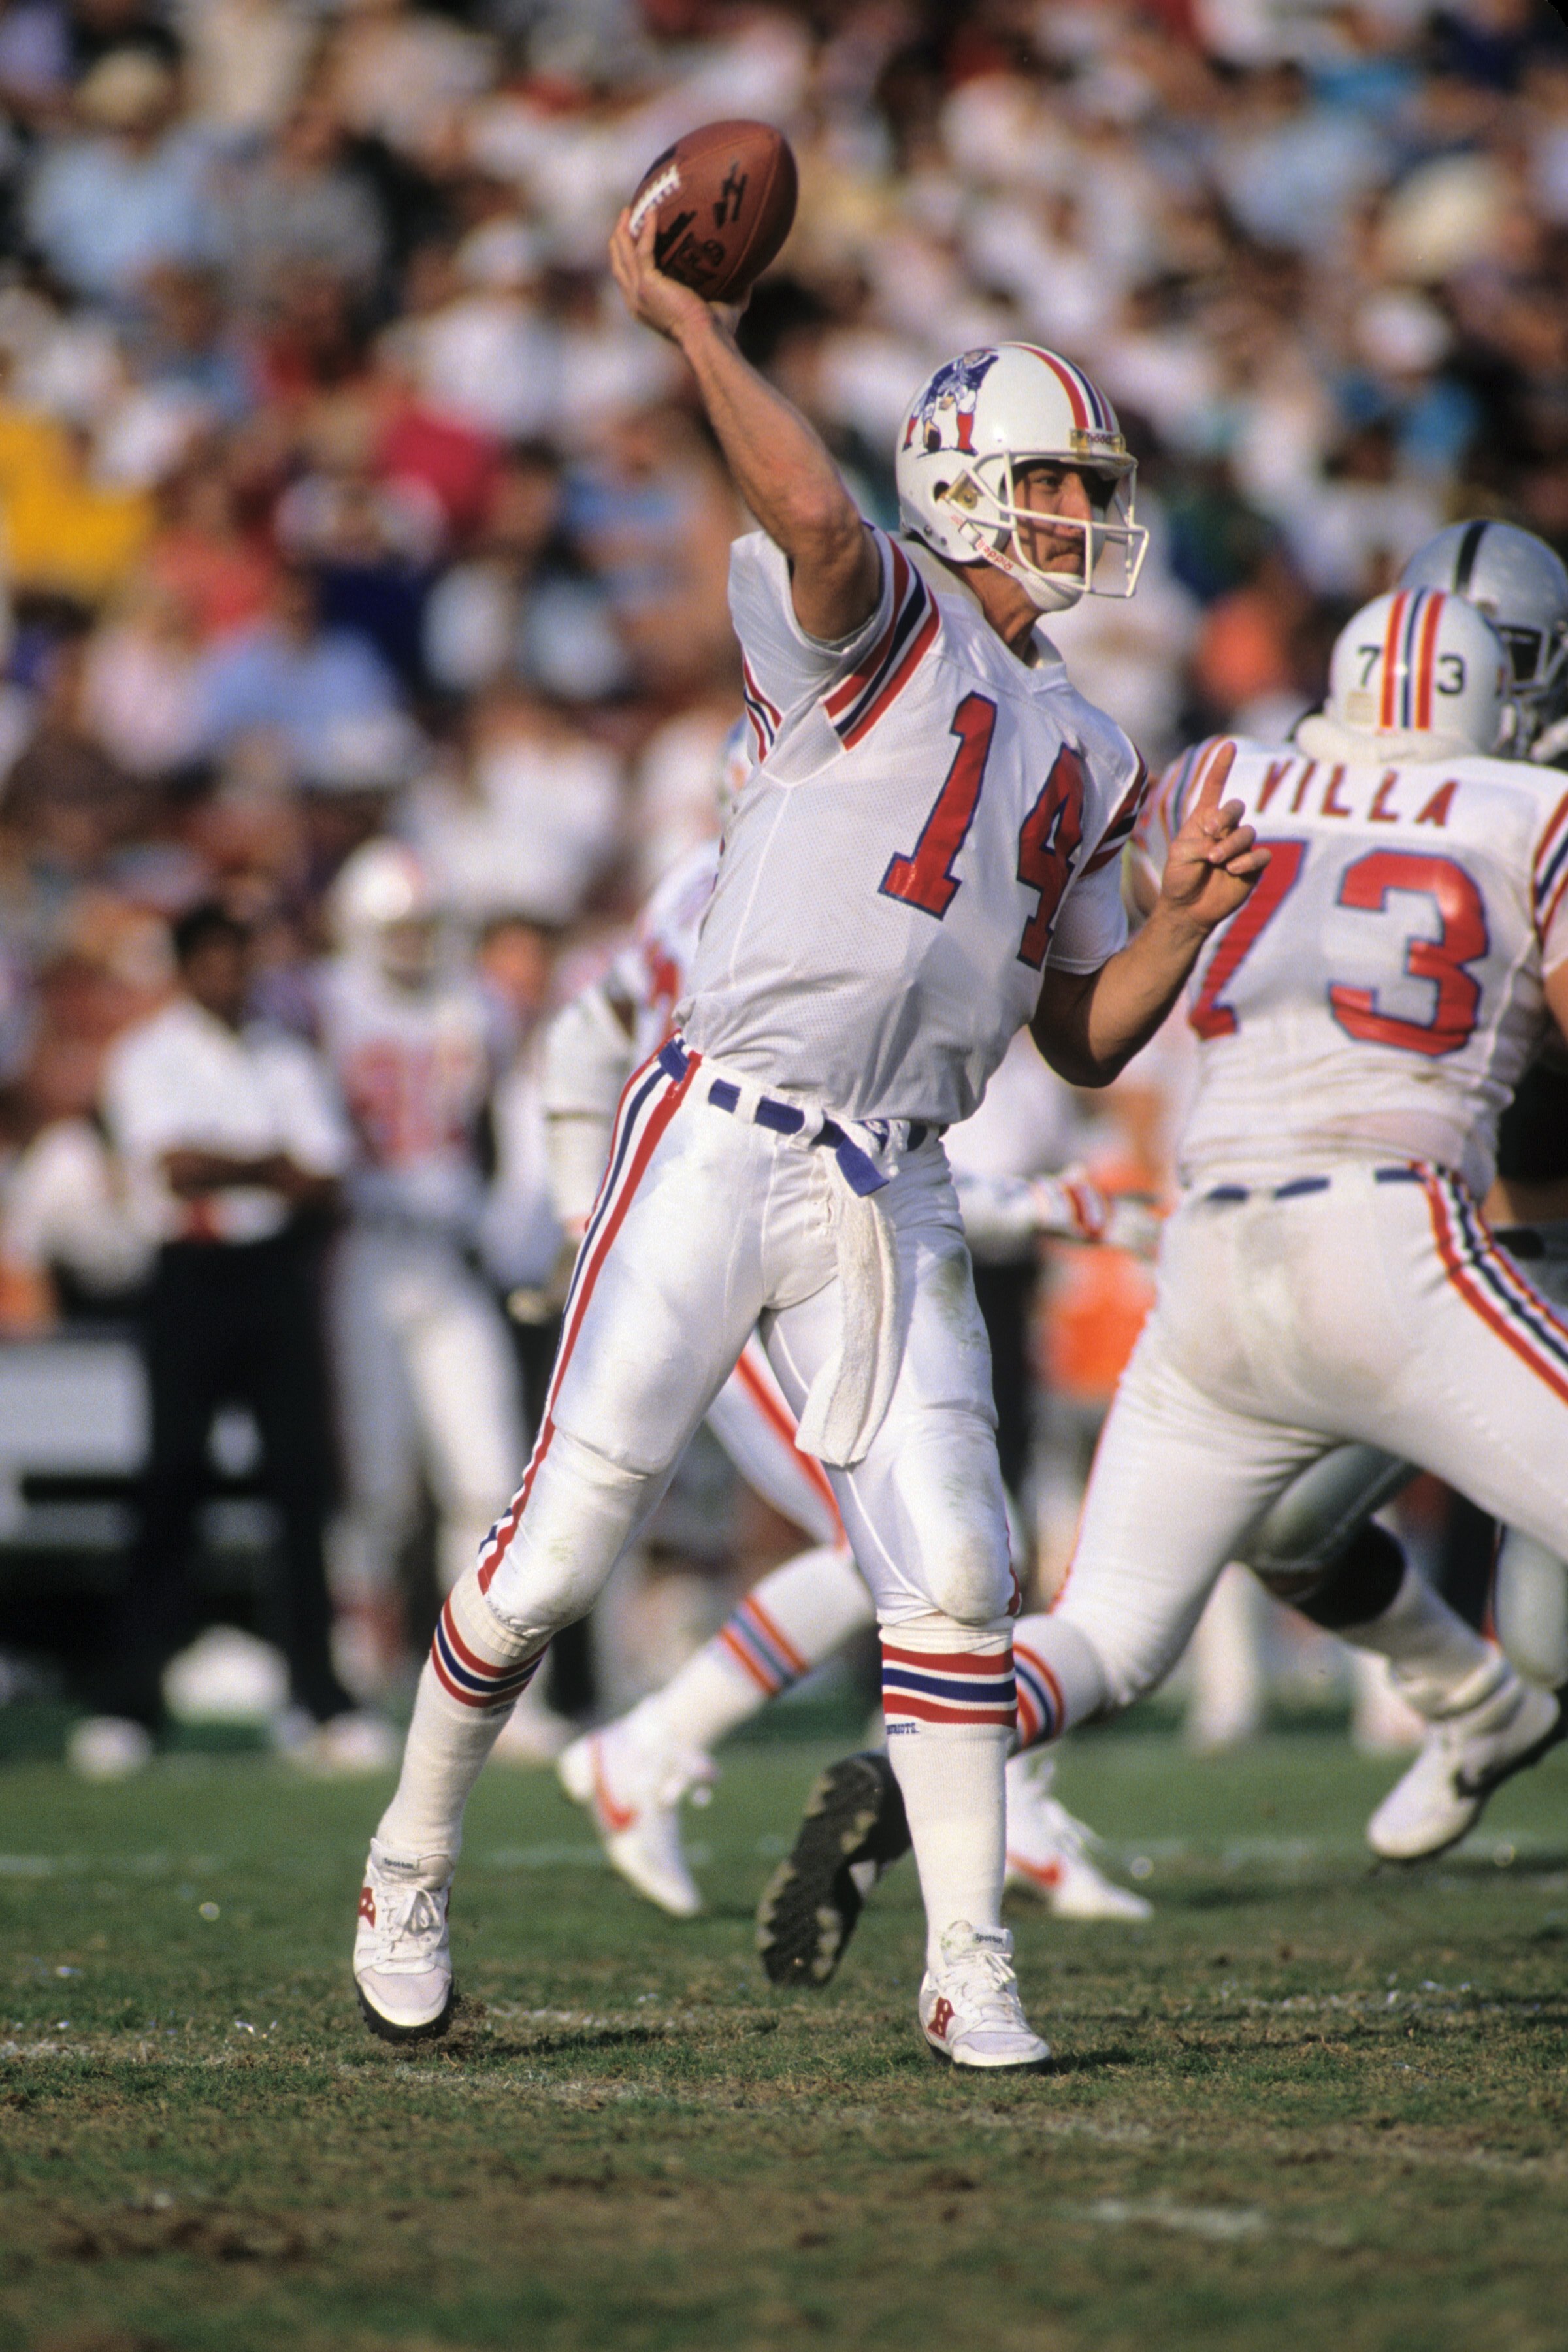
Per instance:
x=983, y=505
x=1538, y=663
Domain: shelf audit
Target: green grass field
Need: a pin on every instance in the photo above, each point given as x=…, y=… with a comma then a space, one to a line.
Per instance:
x=1307, y=2105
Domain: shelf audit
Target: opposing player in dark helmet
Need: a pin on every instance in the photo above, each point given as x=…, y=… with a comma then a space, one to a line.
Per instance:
x=1522, y=586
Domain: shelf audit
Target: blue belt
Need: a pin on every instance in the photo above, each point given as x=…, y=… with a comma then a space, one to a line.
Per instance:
x=860, y=1172
x=1299, y=1184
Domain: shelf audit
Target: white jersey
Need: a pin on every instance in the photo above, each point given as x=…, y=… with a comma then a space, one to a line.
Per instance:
x=415, y=1069
x=1379, y=994
x=1021, y=1131
x=930, y=822
x=183, y=1080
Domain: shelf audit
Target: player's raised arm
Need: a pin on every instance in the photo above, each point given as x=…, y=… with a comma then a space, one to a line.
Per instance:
x=1090, y=1026
x=780, y=466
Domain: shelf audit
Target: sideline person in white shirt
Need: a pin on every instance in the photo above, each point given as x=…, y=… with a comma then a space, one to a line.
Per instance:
x=234, y=1146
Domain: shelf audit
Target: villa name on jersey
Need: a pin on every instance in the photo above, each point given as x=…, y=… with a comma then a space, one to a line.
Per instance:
x=1297, y=786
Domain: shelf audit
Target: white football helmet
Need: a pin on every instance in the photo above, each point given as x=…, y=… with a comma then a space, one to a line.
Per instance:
x=1522, y=586
x=1416, y=674
x=384, y=909
x=979, y=418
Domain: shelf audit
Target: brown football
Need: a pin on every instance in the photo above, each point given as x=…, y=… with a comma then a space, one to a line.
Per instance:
x=723, y=198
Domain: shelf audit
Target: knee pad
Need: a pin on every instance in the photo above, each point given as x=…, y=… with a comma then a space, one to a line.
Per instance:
x=1360, y=1585
x=971, y=1583
x=1304, y=1533
x=548, y=1563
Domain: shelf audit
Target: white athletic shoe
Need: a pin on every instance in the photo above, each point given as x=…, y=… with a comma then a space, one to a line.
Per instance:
x=969, y=2008
x=633, y=1797
x=1463, y=1758
x=109, y=1748
x=1048, y=1851
x=403, y=1954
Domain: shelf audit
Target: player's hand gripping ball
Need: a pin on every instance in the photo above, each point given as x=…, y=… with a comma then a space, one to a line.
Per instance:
x=723, y=201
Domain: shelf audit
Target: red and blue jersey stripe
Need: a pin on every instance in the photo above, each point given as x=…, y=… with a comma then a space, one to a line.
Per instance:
x=1550, y=876
x=765, y=717
x=871, y=689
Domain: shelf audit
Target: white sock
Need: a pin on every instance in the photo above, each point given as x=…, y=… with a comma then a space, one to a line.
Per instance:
x=947, y=1702
x=1058, y=1679
x=477, y=1669
x=787, y=1623
x=1440, y=1665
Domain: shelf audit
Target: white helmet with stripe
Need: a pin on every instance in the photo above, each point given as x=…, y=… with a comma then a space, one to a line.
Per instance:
x=980, y=419
x=383, y=909
x=1416, y=674
x=1522, y=586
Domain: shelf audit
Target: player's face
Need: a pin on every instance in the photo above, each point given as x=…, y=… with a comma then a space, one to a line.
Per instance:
x=1074, y=493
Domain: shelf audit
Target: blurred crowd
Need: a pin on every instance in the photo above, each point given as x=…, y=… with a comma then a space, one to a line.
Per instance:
x=341, y=502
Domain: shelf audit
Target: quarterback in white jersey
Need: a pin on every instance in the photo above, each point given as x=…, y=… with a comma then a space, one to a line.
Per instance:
x=1327, y=1275
x=923, y=861
x=426, y=1372
x=633, y=1774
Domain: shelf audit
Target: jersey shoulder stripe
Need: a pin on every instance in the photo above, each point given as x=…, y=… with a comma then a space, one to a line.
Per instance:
x=1120, y=831
x=1549, y=879
x=857, y=703
x=765, y=717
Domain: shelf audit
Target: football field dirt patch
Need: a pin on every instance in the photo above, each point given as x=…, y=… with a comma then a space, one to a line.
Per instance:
x=1307, y=2104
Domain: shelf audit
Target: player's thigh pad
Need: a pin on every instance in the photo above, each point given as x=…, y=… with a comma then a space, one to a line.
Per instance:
x=1177, y=1482
x=924, y=1510
x=1317, y=1515
x=1477, y=1384
x=753, y=1421
x=667, y=1292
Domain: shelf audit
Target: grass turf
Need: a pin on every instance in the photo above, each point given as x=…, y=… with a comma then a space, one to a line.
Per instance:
x=1307, y=2103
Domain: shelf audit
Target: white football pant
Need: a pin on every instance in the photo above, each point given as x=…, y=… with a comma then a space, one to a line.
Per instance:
x=709, y=1225
x=427, y=1383
x=1375, y=1309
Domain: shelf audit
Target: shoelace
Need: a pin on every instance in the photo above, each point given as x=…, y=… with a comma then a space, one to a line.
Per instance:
x=984, y=1983
x=414, y=1912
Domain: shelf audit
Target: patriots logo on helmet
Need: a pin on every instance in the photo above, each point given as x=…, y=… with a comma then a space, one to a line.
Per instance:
x=950, y=395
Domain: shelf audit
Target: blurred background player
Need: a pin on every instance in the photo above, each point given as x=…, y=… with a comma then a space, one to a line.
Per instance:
x=427, y=1377
x=234, y=1147
x=634, y=1774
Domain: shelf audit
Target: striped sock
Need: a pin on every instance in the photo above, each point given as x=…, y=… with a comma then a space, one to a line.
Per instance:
x=1059, y=1676
x=477, y=1670
x=791, y=1621
x=948, y=1704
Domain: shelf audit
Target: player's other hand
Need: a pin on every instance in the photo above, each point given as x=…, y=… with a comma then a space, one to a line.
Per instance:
x=660, y=302
x=1214, y=860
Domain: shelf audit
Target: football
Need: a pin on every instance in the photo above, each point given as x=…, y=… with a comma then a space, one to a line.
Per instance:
x=723, y=198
